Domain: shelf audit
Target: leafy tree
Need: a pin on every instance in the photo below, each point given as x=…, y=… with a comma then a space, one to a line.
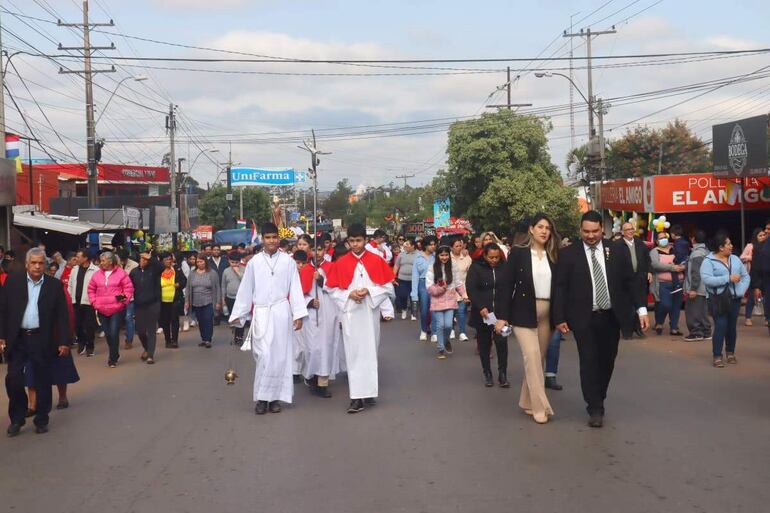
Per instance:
x=639, y=152
x=212, y=206
x=500, y=171
x=516, y=195
x=336, y=206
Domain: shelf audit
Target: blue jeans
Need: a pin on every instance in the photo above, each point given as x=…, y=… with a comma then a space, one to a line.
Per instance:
x=427, y=324
x=403, y=289
x=205, y=316
x=443, y=321
x=111, y=327
x=552, y=356
x=462, y=310
x=725, y=331
x=668, y=304
x=130, y=322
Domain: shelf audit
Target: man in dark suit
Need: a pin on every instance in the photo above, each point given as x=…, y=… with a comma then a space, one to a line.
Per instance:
x=33, y=328
x=594, y=296
x=639, y=257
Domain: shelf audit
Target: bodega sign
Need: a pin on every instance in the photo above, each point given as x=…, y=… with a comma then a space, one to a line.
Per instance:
x=740, y=148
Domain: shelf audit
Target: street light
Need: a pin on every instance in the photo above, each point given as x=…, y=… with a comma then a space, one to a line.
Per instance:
x=204, y=150
x=137, y=78
x=550, y=74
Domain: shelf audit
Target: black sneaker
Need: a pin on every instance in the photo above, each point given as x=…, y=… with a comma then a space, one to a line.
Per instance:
x=370, y=401
x=81, y=350
x=448, y=347
x=693, y=338
x=260, y=408
x=356, y=405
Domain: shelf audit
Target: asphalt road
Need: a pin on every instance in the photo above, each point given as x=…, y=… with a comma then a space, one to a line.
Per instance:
x=679, y=436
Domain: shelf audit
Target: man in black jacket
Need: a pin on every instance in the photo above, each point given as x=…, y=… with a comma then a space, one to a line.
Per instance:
x=34, y=328
x=594, y=297
x=146, y=281
x=639, y=258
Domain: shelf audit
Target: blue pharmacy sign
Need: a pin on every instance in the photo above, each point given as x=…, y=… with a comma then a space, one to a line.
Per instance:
x=263, y=176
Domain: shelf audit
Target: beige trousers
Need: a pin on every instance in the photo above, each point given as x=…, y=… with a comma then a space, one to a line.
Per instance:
x=534, y=344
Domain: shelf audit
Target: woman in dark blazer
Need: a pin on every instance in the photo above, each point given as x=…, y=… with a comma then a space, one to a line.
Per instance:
x=486, y=286
x=530, y=271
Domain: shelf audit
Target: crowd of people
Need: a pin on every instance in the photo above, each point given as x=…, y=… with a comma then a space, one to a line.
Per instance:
x=310, y=310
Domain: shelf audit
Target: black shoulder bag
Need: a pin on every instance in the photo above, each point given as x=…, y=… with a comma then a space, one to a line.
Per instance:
x=722, y=303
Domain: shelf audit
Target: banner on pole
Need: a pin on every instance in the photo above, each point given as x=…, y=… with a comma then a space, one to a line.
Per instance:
x=241, y=176
x=441, y=217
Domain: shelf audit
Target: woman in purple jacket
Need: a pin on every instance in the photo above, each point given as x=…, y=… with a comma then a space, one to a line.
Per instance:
x=109, y=292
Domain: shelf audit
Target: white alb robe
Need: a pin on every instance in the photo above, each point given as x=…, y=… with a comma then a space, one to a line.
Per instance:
x=321, y=334
x=361, y=331
x=271, y=296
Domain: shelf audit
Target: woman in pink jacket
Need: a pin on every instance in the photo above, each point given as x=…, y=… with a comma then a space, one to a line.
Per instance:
x=445, y=289
x=109, y=292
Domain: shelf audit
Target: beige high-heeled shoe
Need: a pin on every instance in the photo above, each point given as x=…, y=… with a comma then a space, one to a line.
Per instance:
x=541, y=418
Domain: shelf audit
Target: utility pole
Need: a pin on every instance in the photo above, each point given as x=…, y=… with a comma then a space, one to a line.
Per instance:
x=571, y=87
x=405, y=177
x=88, y=73
x=508, y=85
x=172, y=164
x=602, y=163
x=7, y=212
x=588, y=35
x=229, y=197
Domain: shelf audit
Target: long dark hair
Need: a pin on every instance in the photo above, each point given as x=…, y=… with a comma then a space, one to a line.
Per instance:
x=447, y=266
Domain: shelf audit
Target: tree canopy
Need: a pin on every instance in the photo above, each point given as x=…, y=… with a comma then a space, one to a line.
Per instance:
x=212, y=206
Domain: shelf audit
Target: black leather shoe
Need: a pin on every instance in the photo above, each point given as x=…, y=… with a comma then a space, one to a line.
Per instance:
x=41, y=429
x=502, y=379
x=260, y=408
x=14, y=429
x=30, y=413
x=297, y=379
x=370, y=401
x=322, y=392
x=63, y=405
x=356, y=405
x=596, y=421
x=488, y=380
x=640, y=334
x=550, y=382
x=275, y=407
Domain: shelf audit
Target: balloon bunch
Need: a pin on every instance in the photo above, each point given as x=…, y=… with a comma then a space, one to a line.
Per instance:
x=138, y=240
x=661, y=224
x=617, y=224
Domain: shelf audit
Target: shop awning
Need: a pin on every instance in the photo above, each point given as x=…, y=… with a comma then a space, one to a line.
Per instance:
x=61, y=224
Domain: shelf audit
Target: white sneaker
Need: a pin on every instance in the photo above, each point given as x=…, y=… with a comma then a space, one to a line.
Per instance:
x=193, y=324
x=423, y=336
x=414, y=318
x=463, y=337
x=159, y=331
x=403, y=315
x=452, y=335
x=186, y=326
x=434, y=338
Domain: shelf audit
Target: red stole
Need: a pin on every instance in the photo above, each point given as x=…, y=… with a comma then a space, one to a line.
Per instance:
x=341, y=274
x=306, y=278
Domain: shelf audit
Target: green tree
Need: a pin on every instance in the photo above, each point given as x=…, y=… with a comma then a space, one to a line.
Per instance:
x=336, y=206
x=516, y=195
x=211, y=207
x=500, y=170
x=674, y=149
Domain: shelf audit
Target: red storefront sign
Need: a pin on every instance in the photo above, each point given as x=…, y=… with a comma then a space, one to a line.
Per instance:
x=622, y=195
x=684, y=193
x=110, y=173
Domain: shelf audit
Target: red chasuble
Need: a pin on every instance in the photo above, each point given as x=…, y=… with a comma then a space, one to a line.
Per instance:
x=341, y=275
x=306, y=278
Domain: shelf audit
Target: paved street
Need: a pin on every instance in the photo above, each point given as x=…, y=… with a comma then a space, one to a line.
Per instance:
x=679, y=436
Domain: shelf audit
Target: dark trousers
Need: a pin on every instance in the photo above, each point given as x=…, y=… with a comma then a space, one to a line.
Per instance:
x=597, y=348
x=696, y=313
x=403, y=290
x=146, y=317
x=725, y=329
x=487, y=336
x=111, y=327
x=85, y=326
x=29, y=349
x=230, y=301
x=169, y=322
x=205, y=316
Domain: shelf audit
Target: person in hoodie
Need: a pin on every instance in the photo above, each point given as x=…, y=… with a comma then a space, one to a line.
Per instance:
x=109, y=291
x=696, y=308
x=724, y=274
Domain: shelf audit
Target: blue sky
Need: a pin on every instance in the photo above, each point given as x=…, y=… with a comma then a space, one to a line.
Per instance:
x=216, y=107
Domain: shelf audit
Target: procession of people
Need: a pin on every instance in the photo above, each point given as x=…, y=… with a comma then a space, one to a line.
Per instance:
x=312, y=311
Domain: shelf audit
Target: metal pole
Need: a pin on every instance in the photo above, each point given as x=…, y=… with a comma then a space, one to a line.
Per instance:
x=93, y=184
x=229, y=197
x=29, y=165
x=171, y=125
x=241, y=194
x=590, y=87
x=602, y=163
x=743, y=213
x=7, y=211
x=509, y=86
x=315, y=193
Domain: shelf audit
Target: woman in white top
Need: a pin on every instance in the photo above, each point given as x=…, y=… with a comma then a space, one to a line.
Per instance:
x=531, y=268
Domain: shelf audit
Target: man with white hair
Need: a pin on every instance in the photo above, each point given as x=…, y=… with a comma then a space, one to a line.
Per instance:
x=34, y=330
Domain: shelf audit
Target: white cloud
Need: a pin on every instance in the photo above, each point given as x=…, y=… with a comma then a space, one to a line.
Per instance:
x=200, y=4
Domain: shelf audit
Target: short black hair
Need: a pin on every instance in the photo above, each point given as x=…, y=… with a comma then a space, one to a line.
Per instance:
x=379, y=233
x=491, y=246
x=54, y=265
x=216, y=246
x=428, y=240
x=164, y=255
x=718, y=240
x=340, y=250
x=300, y=255
x=592, y=216
x=700, y=236
x=677, y=230
x=284, y=243
x=356, y=230
x=83, y=251
x=122, y=254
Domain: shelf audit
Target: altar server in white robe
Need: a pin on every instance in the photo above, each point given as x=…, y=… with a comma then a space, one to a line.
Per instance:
x=360, y=282
x=378, y=246
x=270, y=295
